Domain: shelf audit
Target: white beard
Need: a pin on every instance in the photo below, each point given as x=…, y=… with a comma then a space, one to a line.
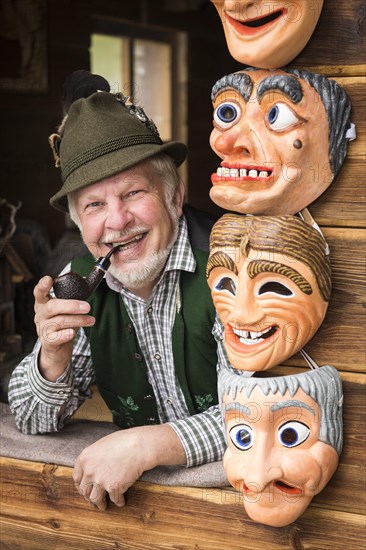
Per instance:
x=142, y=274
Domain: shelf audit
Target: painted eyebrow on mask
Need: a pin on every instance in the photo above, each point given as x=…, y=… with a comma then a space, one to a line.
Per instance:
x=291, y=403
x=238, y=408
x=240, y=82
x=288, y=85
x=220, y=259
x=255, y=267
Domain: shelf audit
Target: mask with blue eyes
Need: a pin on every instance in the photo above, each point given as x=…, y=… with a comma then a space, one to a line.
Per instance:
x=284, y=437
x=270, y=129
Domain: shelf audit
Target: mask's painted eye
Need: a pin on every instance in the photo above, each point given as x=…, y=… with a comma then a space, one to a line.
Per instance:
x=226, y=284
x=274, y=287
x=281, y=117
x=293, y=434
x=227, y=114
x=242, y=436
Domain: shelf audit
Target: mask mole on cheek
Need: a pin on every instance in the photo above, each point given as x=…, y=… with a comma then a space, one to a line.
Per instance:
x=297, y=144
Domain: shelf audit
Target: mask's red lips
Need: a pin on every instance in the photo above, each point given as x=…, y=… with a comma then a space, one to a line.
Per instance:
x=285, y=488
x=250, y=26
x=281, y=485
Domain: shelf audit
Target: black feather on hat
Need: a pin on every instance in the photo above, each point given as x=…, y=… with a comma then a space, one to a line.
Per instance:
x=80, y=84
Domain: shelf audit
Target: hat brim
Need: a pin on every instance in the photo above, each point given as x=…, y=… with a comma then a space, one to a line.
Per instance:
x=113, y=163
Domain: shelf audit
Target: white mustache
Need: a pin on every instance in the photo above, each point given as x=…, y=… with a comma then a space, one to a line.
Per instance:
x=127, y=233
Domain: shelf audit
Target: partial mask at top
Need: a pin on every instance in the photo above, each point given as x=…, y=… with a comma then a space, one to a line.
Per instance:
x=282, y=138
x=267, y=34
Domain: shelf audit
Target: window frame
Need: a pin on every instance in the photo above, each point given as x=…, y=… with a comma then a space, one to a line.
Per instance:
x=137, y=31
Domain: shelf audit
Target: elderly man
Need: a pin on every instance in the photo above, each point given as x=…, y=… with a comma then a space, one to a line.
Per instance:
x=145, y=336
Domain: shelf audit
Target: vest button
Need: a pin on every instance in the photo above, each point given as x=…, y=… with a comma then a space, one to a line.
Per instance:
x=138, y=356
x=129, y=328
x=148, y=397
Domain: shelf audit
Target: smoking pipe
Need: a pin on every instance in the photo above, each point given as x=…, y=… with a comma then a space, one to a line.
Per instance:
x=72, y=286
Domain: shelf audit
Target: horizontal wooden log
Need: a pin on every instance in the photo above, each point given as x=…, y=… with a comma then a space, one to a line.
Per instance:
x=337, y=70
x=41, y=509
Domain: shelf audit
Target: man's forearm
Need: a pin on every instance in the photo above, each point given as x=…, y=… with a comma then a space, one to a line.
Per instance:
x=202, y=436
x=167, y=449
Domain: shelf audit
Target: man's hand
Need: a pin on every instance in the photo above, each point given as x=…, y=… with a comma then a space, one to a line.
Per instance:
x=112, y=464
x=57, y=322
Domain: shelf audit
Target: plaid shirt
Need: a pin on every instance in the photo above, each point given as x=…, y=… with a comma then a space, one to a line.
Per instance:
x=41, y=406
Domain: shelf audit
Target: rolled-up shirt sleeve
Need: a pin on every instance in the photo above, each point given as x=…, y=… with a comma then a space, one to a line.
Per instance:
x=202, y=436
x=41, y=406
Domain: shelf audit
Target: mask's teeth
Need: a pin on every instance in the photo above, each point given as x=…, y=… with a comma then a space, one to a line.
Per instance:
x=224, y=172
x=250, y=335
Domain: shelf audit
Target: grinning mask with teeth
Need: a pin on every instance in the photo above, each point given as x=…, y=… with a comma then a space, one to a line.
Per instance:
x=267, y=34
x=270, y=281
x=284, y=437
x=280, y=137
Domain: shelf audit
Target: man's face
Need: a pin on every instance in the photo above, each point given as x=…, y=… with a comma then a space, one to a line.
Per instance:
x=269, y=309
x=274, y=151
x=130, y=209
x=274, y=456
x=266, y=34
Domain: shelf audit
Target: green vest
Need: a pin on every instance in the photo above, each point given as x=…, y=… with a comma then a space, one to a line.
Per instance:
x=120, y=368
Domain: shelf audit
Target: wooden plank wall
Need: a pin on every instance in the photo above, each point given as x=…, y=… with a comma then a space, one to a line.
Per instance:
x=41, y=509
x=337, y=51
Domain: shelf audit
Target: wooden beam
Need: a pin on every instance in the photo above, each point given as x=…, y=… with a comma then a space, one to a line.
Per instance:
x=41, y=509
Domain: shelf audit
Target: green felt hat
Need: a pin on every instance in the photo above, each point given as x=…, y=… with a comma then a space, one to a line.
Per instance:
x=102, y=136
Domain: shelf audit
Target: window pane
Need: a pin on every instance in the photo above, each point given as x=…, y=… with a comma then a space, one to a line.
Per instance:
x=109, y=57
x=152, y=82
